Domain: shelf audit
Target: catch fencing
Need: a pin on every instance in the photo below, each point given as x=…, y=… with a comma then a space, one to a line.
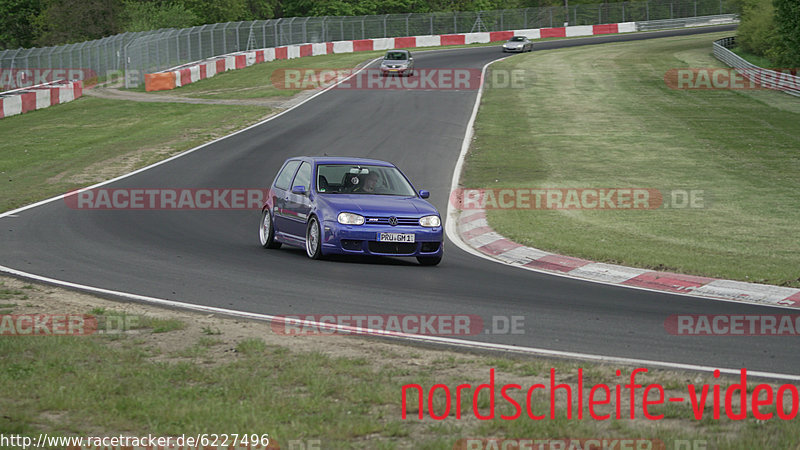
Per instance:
x=133, y=54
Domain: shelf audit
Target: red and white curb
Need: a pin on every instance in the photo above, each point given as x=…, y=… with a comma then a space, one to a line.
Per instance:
x=196, y=71
x=20, y=101
x=475, y=231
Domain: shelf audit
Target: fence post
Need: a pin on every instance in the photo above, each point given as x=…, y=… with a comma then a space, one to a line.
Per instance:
x=647, y=9
x=200, y=42
x=455, y=23
x=238, y=41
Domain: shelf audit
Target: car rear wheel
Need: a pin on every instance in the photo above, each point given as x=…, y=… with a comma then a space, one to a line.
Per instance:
x=266, y=232
x=313, y=241
x=429, y=260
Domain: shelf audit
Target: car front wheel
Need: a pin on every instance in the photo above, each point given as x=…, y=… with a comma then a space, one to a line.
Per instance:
x=266, y=232
x=313, y=239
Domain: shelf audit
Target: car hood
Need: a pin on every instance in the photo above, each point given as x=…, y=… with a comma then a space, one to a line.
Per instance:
x=393, y=62
x=378, y=205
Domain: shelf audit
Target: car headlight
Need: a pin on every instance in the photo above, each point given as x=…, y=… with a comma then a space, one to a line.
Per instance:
x=347, y=218
x=430, y=221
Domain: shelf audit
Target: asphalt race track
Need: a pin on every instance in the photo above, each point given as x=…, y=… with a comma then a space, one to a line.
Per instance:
x=213, y=257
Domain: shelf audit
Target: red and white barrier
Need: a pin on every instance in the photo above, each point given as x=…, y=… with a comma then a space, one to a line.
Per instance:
x=38, y=97
x=184, y=75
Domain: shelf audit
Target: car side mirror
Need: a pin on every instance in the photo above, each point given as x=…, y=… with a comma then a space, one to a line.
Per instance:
x=299, y=190
x=424, y=194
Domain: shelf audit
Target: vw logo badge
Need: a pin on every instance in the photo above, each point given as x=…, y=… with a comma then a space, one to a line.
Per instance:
x=393, y=221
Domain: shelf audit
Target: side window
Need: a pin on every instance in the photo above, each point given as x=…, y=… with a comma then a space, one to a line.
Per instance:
x=282, y=182
x=303, y=177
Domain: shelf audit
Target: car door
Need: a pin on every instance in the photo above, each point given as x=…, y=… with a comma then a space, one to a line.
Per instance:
x=281, y=189
x=297, y=206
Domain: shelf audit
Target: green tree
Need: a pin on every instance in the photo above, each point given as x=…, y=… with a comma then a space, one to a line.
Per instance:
x=17, y=22
x=757, y=32
x=152, y=15
x=67, y=21
x=786, y=49
x=216, y=11
x=262, y=9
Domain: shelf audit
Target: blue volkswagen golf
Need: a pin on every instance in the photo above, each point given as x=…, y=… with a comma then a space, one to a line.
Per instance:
x=350, y=206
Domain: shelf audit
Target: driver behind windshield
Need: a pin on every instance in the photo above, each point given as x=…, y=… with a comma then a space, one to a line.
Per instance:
x=369, y=183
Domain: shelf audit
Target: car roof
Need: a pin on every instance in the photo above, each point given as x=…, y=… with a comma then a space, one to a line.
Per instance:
x=344, y=160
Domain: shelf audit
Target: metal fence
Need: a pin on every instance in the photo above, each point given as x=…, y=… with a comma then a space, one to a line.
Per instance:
x=764, y=78
x=664, y=24
x=146, y=52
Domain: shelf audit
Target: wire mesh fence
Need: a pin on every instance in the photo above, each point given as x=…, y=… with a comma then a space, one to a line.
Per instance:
x=134, y=54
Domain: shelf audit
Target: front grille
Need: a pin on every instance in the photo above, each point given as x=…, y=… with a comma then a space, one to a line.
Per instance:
x=401, y=221
x=392, y=248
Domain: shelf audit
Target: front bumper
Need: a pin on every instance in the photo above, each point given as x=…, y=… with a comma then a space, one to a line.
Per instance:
x=520, y=50
x=363, y=240
x=387, y=71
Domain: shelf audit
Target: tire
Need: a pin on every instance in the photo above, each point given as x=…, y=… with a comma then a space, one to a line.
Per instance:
x=266, y=231
x=313, y=239
x=429, y=260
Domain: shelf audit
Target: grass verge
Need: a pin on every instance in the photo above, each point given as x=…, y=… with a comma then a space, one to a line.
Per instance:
x=603, y=117
x=327, y=392
x=54, y=150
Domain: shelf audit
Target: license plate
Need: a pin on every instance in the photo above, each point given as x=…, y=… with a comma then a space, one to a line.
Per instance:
x=395, y=237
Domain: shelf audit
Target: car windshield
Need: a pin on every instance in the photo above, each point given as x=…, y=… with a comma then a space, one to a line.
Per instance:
x=396, y=56
x=362, y=179
x=516, y=39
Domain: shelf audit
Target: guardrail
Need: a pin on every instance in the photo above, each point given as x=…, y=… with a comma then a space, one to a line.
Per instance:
x=764, y=78
x=684, y=22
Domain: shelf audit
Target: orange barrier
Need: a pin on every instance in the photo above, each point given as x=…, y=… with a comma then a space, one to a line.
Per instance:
x=162, y=81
